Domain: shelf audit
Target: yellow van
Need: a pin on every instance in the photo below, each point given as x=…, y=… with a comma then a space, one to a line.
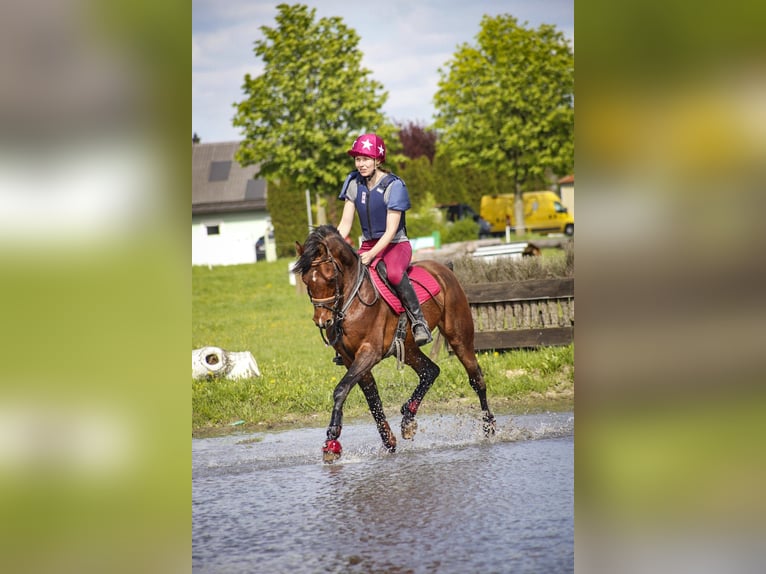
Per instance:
x=543, y=213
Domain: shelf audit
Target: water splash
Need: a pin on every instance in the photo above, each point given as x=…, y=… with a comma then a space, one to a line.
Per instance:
x=361, y=442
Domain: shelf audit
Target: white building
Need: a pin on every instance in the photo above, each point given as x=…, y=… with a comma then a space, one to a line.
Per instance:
x=228, y=206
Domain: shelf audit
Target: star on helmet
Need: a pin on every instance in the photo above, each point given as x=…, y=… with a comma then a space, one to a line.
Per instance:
x=367, y=144
x=381, y=150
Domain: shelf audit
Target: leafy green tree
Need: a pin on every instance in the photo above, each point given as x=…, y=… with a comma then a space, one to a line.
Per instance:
x=506, y=105
x=303, y=112
x=420, y=179
x=423, y=219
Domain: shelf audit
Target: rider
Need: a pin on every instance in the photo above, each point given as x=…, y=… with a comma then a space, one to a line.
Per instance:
x=381, y=199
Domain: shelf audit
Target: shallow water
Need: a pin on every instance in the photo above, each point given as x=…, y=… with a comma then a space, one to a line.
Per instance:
x=449, y=501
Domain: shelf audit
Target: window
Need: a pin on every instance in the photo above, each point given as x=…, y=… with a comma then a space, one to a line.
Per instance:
x=219, y=170
x=213, y=229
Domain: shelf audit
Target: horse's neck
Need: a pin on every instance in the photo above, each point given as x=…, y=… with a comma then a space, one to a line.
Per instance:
x=353, y=278
x=352, y=273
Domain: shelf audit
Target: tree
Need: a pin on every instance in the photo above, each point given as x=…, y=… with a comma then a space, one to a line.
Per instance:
x=507, y=104
x=303, y=112
x=420, y=178
x=417, y=141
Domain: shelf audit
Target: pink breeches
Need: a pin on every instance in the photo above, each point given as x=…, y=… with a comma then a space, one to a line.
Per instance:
x=397, y=257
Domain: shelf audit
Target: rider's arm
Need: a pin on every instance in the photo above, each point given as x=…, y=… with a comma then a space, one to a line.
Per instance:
x=347, y=219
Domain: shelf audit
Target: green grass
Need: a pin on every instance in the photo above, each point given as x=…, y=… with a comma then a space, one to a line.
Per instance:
x=254, y=308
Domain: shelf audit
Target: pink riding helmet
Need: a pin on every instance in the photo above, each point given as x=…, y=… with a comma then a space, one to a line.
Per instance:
x=369, y=145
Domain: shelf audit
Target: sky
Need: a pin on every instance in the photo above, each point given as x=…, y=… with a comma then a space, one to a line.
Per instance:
x=404, y=43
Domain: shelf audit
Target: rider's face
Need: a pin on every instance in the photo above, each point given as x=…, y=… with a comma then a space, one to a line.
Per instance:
x=364, y=164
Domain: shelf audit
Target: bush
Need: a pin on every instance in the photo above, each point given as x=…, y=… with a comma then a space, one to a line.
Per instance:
x=423, y=220
x=463, y=230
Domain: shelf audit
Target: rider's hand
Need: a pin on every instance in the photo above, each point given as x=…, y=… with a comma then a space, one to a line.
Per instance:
x=366, y=258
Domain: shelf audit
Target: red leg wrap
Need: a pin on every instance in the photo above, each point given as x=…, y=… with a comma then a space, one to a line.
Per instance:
x=332, y=446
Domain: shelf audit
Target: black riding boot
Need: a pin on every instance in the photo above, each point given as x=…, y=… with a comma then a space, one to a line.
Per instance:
x=409, y=299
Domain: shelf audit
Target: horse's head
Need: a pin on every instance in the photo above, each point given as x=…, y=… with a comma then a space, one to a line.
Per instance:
x=322, y=262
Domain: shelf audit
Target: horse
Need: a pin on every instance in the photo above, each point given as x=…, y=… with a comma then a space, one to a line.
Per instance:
x=364, y=329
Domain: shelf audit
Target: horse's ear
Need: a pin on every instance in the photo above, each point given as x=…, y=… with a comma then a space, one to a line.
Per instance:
x=298, y=249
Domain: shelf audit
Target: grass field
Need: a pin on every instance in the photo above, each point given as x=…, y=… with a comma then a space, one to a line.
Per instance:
x=254, y=308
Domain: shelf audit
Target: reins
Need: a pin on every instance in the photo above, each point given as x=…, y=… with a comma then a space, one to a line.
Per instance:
x=339, y=314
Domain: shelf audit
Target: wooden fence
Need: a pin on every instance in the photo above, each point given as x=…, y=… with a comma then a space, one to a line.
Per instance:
x=523, y=314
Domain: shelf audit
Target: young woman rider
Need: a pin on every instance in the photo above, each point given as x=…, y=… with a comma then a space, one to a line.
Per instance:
x=381, y=198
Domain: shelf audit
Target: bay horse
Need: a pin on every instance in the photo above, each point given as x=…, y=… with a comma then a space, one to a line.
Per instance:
x=362, y=328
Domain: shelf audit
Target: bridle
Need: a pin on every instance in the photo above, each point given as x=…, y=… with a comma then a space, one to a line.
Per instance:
x=336, y=298
x=335, y=303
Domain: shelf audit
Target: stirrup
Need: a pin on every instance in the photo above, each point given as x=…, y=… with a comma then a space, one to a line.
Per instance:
x=338, y=360
x=417, y=332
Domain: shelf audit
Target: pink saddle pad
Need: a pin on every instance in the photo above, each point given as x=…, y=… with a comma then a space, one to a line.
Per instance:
x=424, y=284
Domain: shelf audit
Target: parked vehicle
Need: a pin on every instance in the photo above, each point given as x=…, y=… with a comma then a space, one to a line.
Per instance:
x=543, y=213
x=456, y=211
x=260, y=247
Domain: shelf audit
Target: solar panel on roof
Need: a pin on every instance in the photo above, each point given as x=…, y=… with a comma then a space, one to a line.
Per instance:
x=219, y=170
x=255, y=189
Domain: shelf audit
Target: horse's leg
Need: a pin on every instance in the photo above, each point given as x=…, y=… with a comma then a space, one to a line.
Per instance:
x=331, y=450
x=370, y=390
x=467, y=357
x=427, y=372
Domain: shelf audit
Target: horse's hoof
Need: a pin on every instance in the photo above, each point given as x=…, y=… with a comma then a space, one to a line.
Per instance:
x=331, y=451
x=389, y=440
x=409, y=428
x=489, y=428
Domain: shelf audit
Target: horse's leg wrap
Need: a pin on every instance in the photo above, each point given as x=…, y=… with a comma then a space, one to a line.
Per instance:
x=331, y=449
x=411, y=407
x=409, y=424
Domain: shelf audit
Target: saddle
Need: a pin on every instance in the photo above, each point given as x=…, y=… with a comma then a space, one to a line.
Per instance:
x=424, y=284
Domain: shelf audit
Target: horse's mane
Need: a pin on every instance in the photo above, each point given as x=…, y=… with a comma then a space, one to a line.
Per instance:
x=315, y=244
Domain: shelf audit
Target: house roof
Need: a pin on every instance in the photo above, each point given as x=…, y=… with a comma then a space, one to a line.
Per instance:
x=567, y=179
x=220, y=184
